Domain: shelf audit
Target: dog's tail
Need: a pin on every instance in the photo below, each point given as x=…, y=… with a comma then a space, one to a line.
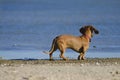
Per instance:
x=53, y=47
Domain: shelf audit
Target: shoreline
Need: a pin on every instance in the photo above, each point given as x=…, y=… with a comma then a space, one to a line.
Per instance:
x=38, y=54
x=60, y=61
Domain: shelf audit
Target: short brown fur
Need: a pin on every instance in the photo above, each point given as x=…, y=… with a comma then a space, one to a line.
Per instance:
x=79, y=44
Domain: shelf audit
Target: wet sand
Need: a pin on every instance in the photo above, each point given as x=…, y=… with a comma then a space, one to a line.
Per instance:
x=90, y=69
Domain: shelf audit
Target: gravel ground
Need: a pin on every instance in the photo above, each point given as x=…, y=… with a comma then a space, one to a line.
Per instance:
x=90, y=69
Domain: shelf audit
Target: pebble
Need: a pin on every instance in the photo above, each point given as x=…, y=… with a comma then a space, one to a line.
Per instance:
x=21, y=65
x=117, y=72
x=81, y=64
x=116, y=63
x=97, y=63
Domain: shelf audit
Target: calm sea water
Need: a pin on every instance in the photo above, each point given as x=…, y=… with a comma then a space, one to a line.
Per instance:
x=27, y=27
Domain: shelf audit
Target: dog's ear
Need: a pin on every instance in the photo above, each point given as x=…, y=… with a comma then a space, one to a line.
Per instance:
x=95, y=30
x=82, y=30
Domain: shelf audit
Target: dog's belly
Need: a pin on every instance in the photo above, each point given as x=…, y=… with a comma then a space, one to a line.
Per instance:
x=77, y=45
x=74, y=45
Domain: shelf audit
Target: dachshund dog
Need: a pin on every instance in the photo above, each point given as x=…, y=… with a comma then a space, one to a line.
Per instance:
x=79, y=44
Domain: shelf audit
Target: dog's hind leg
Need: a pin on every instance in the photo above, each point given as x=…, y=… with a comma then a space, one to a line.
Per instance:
x=53, y=48
x=50, y=55
x=62, y=55
x=51, y=52
x=62, y=51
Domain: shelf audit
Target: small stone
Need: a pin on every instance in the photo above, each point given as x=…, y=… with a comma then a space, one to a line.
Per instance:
x=115, y=62
x=97, y=63
x=81, y=64
x=117, y=72
x=21, y=65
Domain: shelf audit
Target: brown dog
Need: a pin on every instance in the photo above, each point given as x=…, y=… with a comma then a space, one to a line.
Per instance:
x=79, y=44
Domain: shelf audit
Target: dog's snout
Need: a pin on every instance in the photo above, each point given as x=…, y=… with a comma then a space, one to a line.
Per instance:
x=96, y=32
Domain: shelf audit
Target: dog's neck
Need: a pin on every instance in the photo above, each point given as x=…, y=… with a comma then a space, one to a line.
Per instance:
x=88, y=38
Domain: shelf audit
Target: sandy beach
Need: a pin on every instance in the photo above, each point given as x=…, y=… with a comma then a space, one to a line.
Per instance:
x=90, y=69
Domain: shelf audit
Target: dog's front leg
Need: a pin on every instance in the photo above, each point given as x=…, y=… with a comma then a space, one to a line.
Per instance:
x=81, y=56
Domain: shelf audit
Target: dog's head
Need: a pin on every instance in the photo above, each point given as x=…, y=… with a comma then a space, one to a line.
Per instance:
x=86, y=29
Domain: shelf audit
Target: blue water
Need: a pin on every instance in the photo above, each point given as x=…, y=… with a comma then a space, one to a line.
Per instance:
x=27, y=27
